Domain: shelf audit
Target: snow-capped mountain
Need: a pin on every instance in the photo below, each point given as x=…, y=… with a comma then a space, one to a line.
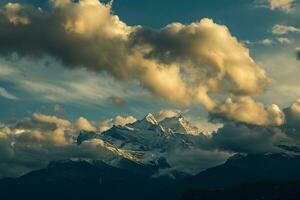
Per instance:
x=179, y=124
x=148, y=121
x=146, y=140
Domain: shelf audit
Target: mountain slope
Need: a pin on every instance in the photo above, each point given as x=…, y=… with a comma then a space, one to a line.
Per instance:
x=146, y=140
x=250, y=169
x=98, y=180
x=84, y=180
x=240, y=170
x=178, y=124
x=265, y=191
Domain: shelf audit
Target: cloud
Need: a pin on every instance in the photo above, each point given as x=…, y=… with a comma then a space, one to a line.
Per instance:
x=292, y=125
x=42, y=122
x=4, y=93
x=266, y=41
x=284, y=5
x=194, y=46
x=51, y=119
x=243, y=138
x=12, y=10
x=31, y=143
x=246, y=138
x=118, y=120
x=182, y=63
x=207, y=58
x=245, y=109
x=284, y=29
x=83, y=124
x=283, y=40
x=166, y=113
x=40, y=81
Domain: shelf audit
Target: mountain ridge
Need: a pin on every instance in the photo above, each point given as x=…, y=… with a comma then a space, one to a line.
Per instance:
x=146, y=139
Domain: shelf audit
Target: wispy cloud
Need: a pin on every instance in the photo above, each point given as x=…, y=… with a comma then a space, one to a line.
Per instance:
x=284, y=29
x=39, y=80
x=283, y=40
x=4, y=93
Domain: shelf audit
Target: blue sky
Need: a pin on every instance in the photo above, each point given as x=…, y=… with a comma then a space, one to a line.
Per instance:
x=250, y=21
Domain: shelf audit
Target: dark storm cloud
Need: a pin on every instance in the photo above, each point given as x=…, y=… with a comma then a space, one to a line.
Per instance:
x=292, y=125
x=244, y=138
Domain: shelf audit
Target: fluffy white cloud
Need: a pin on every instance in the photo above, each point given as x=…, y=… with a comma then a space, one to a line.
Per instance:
x=284, y=5
x=245, y=109
x=51, y=119
x=202, y=49
x=83, y=124
x=266, y=41
x=284, y=29
x=283, y=40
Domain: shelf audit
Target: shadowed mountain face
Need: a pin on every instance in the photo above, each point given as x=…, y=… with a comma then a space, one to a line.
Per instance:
x=98, y=180
x=249, y=169
x=240, y=170
x=265, y=191
x=84, y=180
x=147, y=140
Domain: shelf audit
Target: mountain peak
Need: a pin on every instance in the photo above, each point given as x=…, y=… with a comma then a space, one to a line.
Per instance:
x=150, y=118
x=179, y=124
x=180, y=116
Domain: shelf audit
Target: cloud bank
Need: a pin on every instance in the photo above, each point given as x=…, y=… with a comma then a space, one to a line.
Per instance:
x=31, y=143
x=178, y=63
